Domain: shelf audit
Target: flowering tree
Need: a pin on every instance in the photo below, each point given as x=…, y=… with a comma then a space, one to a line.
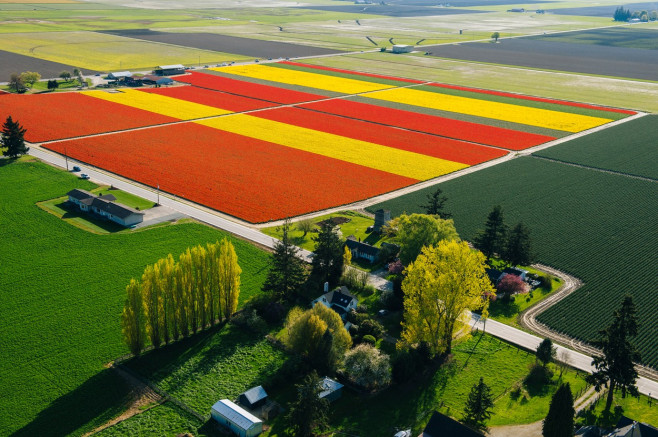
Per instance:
x=367, y=367
x=511, y=284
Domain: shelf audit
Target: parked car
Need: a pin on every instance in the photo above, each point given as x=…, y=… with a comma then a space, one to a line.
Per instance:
x=84, y=176
x=76, y=168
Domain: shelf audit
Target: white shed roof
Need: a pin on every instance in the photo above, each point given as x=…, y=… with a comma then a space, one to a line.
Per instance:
x=236, y=414
x=172, y=67
x=329, y=386
x=121, y=74
x=255, y=394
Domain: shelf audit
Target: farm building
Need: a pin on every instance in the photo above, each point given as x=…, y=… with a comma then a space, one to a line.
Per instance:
x=119, y=75
x=105, y=207
x=400, y=48
x=443, y=426
x=169, y=70
x=523, y=274
x=236, y=418
x=339, y=300
x=331, y=390
x=382, y=217
x=254, y=397
x=151, y=79
x=362, y=250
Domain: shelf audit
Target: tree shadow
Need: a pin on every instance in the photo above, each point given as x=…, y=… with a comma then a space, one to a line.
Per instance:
x=97, y=400
x=503, y=309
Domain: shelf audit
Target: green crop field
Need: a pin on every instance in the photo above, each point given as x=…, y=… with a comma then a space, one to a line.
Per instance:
x=626, y=148
x=626, y=36
x=597, y=226
x=62, y=291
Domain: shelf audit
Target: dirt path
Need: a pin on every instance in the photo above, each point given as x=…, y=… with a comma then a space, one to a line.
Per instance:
x=144, y=398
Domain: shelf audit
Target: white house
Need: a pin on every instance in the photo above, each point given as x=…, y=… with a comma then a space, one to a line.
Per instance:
x=339, y=300
x=236, y=418
x=105, y=207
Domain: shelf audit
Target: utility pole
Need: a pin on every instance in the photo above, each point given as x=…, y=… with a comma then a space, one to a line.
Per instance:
x=158, y=202
x=66, y=158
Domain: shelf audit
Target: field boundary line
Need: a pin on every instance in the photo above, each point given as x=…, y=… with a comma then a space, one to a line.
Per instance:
x=599, y=169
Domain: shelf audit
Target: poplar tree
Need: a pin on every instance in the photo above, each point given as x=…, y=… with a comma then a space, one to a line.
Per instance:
x=167, y=282
x=229, y=277
x=189, y=305
x=199, y=284
x=212, y=264
x=182, y=296
x=151, y=305
x=132, y=318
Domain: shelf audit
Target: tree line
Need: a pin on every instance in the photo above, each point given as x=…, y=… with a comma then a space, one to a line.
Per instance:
x=176, y=299
x=622, y=14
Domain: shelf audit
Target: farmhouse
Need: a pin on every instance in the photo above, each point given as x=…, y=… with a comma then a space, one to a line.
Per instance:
x=254, y=397
x=339, y=300
x=361, y=250
x=105, y=207
x=235, y=418
x=331, y=390
x=169, y=70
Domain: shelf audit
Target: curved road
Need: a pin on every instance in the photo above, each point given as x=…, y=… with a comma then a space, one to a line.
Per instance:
x=214, y=218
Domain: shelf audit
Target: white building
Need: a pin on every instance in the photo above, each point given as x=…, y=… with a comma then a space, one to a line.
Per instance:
x=235, y=418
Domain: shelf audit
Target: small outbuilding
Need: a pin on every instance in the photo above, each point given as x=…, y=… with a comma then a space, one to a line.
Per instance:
x=235, y=418
x=400, y=48
x=151, y=79
x=169, y=70
x=441, y=425
x=331, y=390
x=254, y=397
x=119, y=75
x=382, y=217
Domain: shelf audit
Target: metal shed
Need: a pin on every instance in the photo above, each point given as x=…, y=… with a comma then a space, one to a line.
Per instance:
x=331, y=390
x=236, y=418
x=254, y=397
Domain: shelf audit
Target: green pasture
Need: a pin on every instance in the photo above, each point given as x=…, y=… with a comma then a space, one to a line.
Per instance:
x=593, y=225
x=627, y=148
x=503, y=366
x=219, y=364
x=641, y=96
x=63, y=290
x=103, y=52
x=166, y=419
x=642, y=409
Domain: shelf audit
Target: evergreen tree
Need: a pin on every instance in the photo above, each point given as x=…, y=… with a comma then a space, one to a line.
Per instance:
x=13, y=139
x=479, y=406
x=132, y=318
x=546, y=352
x=308, y=412
x=328, y=258
x=559, y=421
x=518, y=248
x=615, y=369
x=435, y=204
x=287, y=272
x=492, y=239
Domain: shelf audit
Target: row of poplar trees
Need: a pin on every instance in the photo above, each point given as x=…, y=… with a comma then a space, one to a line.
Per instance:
x=176, y=299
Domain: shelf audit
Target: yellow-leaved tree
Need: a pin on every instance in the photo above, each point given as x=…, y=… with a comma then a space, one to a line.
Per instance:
x=132, y=318
x=229, y=278
x=443, y=283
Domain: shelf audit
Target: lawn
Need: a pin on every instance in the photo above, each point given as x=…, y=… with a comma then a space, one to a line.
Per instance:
x=593, y=225
x=63, y=290
x=642, y=409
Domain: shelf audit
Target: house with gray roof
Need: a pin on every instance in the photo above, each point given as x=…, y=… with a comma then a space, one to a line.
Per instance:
x=105, y=207
x=362, y=250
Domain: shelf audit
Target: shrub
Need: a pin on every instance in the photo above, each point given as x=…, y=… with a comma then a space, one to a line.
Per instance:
x=405, y=363
x=545, y=282
x=369, y=339
x=538, y=375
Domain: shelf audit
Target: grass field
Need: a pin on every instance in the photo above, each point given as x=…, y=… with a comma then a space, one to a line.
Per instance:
x=628, y=148
x=596, y=226
x=63, y=290
x=626, y=36
x=597, y=90
x=103, y=52
x=166, y=419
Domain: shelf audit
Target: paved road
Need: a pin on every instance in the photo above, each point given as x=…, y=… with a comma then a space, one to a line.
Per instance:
x=500, y=330
x=530, y=342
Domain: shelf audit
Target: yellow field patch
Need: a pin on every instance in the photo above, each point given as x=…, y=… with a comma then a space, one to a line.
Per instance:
x=103, y=52
x=499, y=111
x=163, y=105
x=388, y=159
x=303, y=78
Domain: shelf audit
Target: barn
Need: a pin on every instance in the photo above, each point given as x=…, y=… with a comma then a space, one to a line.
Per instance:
x=169, y=70
x=236, y=419
x=254, y=397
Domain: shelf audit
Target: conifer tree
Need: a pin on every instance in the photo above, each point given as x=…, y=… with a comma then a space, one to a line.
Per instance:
x=492, y=240
x=328, y=255
x=479, y=406
x=132, y=318
x=559, y=421
x=309, y=411
x=518, y=247
x=435, y=204
x=287, y=272
x=13, y=139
